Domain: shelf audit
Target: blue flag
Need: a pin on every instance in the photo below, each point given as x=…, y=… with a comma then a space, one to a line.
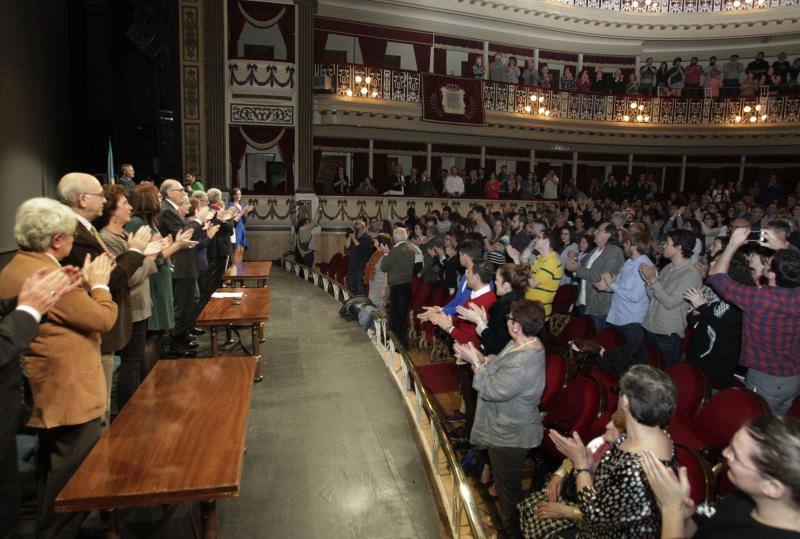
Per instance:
x=110, y=163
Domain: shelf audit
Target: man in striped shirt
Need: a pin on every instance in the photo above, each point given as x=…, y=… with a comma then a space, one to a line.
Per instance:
x=546, y=270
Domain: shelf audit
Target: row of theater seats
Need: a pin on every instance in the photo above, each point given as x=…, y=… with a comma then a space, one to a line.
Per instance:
x=582, y=398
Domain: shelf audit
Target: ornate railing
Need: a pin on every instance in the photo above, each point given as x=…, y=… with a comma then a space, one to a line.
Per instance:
x=679, y=6
x=260, y=77
x=405, y=86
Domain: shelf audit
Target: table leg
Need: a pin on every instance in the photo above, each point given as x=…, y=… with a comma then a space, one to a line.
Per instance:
x=210, y=520
x=228, y=337
x=254, y=332
x=214, y=341
x=110, y=519
x=261, y=338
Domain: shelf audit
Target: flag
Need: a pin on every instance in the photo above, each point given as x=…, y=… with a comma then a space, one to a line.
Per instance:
x=110, y=162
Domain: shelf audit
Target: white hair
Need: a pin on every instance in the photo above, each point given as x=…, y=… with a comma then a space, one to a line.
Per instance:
x=399, y=234
x=214, y=195
x=71, y=186
x=38, y=220
x=166, y=185
x=200, y=195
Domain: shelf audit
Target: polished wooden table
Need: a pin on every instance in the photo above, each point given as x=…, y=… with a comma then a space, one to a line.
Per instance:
x=258, y=270
x=252, y=309
x=179, y=439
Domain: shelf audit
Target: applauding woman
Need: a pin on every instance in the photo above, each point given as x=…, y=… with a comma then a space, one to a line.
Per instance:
x=507, y=420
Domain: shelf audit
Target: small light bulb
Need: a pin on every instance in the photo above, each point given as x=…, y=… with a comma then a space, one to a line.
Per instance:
x=541, y=110
x=736, y=3
x=528, y=109
x=541, y=98
x=763, y=117
x=368, y=80
x=753, y=119
x=358, y=79
x=747, y=108
x=641, y=107
x=626, y=118
x=639, y=118
x=758, y=107
x=635, y=4
x=648, y=2
x=374, y=93
x=738, y=119
x=647, y=118
x=364, y=91
x=349, y=92
x=634, y=105
x=547, y=113
x=533, y=98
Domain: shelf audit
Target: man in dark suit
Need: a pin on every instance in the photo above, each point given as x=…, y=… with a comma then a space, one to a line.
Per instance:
x=84, y=196
x=220, y=249
x=184, y=274
x=19, y=321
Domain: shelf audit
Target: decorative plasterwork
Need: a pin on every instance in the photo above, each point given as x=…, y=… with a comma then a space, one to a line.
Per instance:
x=261, y=114
x=192, y=98
x=257, y=77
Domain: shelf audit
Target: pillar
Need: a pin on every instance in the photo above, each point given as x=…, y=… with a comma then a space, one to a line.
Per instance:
x=428, y=159
x=216, y=165
x=304, y=97
x=630, y=163
x=532, y=159
x=742, y=162
x=575, y=165
x=683, y=173
x=483, y=156
x=430, y=61
x=580, y=65
x=536, y=59
x=663, y=177
x=486, y=60
x=371, y=152
x=638, y=66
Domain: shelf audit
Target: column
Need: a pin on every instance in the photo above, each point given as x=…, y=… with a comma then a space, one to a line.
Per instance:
x=483, y=156
x=192, y=92
x=371, y=151
x=304, y=97
x=742, y=162
x=575, y=165
x=663, y=178
x=580, y=65
x=532, y=158
x=536, y=59
x=430, y=64
x=486, y=60
x=428, y=159
x=216, y=63
x=630, y=163
x=638, y=65
x=683, y=172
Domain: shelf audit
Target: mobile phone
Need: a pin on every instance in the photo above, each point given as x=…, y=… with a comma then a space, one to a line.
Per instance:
x=756, y=236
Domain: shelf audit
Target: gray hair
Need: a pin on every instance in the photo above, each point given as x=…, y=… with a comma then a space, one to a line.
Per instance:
x=71, y=186
x=200, y=195
x=399, y=234
x=166, y=185
x=652, y=395
x=38, y=220
x=214, y=195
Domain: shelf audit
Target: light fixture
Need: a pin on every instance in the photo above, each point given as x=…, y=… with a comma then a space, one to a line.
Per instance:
x=747, y=108
x=758, y=107
x=528, y=109
x=737, y=119
x=626, y=118
x=635, y=4
x=648, y=2
x=737, y=4
x=541, y=110
x=358, y=79
x=634, y=105
x=763, y=117
x=647, y=118
x=349, y=92
x=753, y=119
x=533, y=98
x=364, y=90
x=362, y=87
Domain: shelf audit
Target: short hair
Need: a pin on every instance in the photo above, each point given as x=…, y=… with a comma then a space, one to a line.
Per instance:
x=652, y=395
x=112, y=192
x=684, y=240
x=480, y=209
x=144, y=199
x=214, y=195
x=384, y=239
x=641, y=241
x=123, y=166
x=194, y=205
x=484, y=271
x=786, y=265
x=399, y=234
x=38, y=220
x=529, y=314
x=199, y=195
x=71, y=186
x=471, y=248
x=517, y=275
x=553, y=237
x=168, y=185
x=778, y=453
x=780, y=225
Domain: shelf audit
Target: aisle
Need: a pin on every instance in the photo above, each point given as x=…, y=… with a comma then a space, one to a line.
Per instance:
x=329, y=449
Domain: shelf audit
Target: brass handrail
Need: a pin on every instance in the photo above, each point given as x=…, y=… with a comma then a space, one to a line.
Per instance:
x=462, y=493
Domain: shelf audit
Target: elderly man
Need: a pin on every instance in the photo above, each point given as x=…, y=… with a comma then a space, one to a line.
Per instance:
x=83, y=194
x=125, y=179
x=399, y=266
x=184, y=273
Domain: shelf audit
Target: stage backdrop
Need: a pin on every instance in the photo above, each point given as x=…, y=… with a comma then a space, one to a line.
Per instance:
x=452, y=100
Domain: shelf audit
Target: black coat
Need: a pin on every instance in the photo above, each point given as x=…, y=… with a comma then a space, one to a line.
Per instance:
x=170, y=222
x=715, y=342
x=220, y=245
x=495, y=337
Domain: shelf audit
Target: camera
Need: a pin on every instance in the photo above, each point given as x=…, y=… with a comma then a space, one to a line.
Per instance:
x=348, y=231
x=756, y=236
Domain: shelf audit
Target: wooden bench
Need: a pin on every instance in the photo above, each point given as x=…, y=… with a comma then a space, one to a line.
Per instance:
x=179, y=439
x=255, y=270
x=252, y=309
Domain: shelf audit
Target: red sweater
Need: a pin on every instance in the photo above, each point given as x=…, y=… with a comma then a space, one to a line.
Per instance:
x=464, y=330
x=492, y=189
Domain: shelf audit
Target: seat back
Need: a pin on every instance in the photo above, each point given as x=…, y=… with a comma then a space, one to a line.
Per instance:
x=794, y=410
x=564, y=299
x=701, y=477
x=555, y=377
x=693, y=387
x=580, y=327
x=332, y=265
x=609, y=381
x=609, y=338
x=728, y=410
x=654, y=358
x=574, y=409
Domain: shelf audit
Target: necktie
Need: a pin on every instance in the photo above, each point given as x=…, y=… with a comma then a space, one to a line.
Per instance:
x=99, y=238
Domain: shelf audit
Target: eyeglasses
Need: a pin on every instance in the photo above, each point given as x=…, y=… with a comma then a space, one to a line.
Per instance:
x=511, y=318
x=101, y=195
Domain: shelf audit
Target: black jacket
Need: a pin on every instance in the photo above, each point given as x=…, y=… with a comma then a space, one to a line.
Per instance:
x=715, y=342
x=220, y=246
x=495, y=337
x=183, y=261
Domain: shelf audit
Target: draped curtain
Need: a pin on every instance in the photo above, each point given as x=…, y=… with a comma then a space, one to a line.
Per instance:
x=360, y=168
x=422, y=53
x=260, y=15
x=380, y=171
x=440, y=61
x=420, y=162
x=262, y=137
x=320, y=40
x=373, y=50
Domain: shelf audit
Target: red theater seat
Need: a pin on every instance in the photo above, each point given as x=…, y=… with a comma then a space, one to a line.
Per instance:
x=609, y=338
x=325, y=267
x=574, y=409
x=555, y=376
x=693, y=388
x=564, y=299
x=580, y=327
x=701, y=477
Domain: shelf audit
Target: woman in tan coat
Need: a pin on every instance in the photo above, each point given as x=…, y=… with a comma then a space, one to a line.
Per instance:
x=63, y=362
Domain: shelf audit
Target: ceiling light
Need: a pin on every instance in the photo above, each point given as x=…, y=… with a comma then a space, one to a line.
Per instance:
x=368, y=79
x=753, y=119
x=639, y=118
x=738, y=119
x=763, y=117
x=533, y=98
x=364, y=90
x=747, y=108
x=758, y=107
x=633, y=105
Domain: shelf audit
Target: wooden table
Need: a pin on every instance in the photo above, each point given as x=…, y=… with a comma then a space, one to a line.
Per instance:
x=252, y=309
x=179, y=439
x=258, y=270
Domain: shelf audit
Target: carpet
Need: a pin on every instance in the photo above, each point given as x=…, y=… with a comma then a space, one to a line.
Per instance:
x=439, y=377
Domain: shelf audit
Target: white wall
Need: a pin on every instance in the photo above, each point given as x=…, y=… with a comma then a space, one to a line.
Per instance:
x=250, y=150
x=263, y=36
x=406, y=53
x=352, y=46
x=454, y=59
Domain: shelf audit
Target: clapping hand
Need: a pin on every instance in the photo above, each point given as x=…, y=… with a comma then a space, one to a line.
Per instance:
x=474, y=313
x=184, y=239
x=738, y=237
x=140, y=239
x=441, y=319
x=695, y=297
x=467, y=352
x=427, y=312
x=673, y=493
x=212, y=231
x=97, y=272
x=572, y=447
x=648, y=273
x=572, y=264
x=554, y=487
x=154, y=247
x=42, y=290
x=513, y=253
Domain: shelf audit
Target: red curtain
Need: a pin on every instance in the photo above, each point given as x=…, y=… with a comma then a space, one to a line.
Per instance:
x=420, y=162
x=422, y=54
x=320, y=40
x=523, y=167
x=440, y=61
x=490, y=165
x=261, y=11
x=373, y=50
x=360, y=168
x=472, y=164
x=380, y=171
x=262, y=134
x=436, y=172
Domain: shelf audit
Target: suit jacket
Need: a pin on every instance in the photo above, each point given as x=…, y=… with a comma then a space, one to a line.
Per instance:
x=201, y=250
x=170, y=222
x=127, y=264
x=495, y=337
x=609, y=261
x=220, y=246
x=17, y=330
x=63, y=361
x=399, y=264
x=465, y=331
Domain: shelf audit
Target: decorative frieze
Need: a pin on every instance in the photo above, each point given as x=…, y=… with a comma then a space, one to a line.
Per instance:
x=262, y=114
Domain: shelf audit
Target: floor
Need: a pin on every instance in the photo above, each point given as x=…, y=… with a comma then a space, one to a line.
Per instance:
x=330, y=452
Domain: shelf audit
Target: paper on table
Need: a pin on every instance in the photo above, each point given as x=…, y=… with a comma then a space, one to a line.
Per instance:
x=221, y=295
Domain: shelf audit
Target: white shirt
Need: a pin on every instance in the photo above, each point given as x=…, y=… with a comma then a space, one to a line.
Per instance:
x=443, y=226
x=594, y=256
x=481, y=291
x=550, y=188
x=453, y=184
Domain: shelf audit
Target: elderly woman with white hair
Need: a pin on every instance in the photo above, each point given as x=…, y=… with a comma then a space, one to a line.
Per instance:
x=220, y=248
x=63, y=362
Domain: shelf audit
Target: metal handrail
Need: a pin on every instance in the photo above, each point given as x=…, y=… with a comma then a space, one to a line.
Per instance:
x=462, y=493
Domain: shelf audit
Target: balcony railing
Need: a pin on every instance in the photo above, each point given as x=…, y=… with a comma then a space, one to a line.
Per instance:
x=679, y=6
x=405, y=86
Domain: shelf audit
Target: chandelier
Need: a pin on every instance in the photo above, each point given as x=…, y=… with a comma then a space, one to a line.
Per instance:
x=644, y=4
x=363, y=87
x=751, y=114
x=537, y=106
x=747, y=4
x=637, y=113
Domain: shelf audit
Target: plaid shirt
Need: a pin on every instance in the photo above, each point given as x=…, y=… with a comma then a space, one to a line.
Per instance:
x=771, y=325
